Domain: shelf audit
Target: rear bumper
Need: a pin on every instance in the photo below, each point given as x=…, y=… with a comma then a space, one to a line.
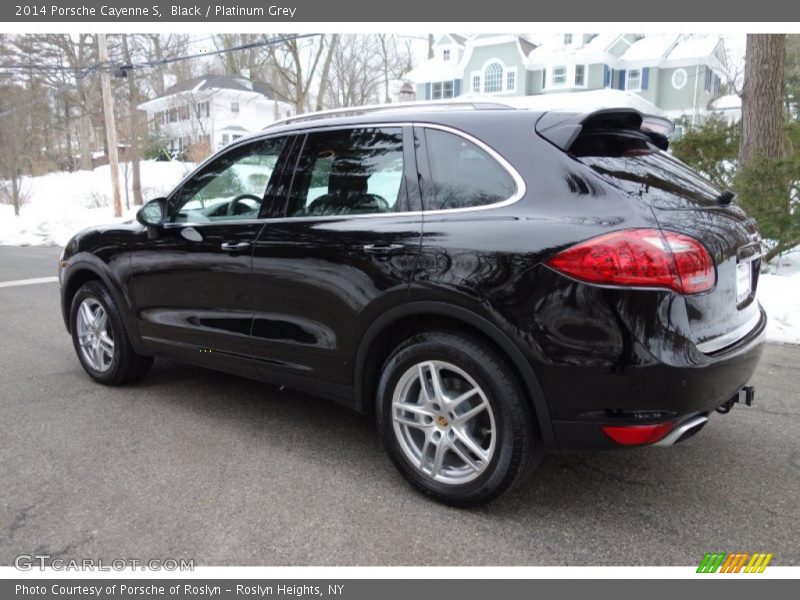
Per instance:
x=656, y=392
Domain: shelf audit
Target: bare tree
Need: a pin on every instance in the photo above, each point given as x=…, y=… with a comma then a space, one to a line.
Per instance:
x=135, y=153
x=296, y=62
x=355, y=71
x=16, y=147
x=763, y=115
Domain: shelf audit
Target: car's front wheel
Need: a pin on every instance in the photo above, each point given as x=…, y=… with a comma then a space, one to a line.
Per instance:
x=454, y=419
x=100, y=339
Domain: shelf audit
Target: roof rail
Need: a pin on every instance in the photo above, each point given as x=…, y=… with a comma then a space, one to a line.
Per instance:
x=349, y=111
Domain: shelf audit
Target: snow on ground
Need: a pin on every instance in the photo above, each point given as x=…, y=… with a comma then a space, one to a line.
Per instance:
x=779, y=293
x=61, y=204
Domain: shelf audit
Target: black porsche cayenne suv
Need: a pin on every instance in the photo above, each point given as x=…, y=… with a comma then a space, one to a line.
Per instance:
x=488, y=282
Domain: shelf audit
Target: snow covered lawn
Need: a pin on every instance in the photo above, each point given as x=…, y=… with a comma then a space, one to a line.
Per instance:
x=779, y=293
x=62, y=204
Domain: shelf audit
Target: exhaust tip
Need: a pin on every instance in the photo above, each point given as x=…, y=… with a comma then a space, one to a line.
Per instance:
x=683, y=431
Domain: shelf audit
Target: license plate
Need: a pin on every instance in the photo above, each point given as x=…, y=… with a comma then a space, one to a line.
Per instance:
x=744, y=281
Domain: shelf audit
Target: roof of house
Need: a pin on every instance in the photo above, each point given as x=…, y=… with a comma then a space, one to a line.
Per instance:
x=526, y=45
x=458, y=39
x=217, y=82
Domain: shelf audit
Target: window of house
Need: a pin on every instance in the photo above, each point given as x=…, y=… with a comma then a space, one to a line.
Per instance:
x=634, y=79
x=446, y=54
x=463, y=174
x=476, y=83
x=173, y=115
x=560, y=75
x=349, y=172
x=447, y=89
x=511, y=81
x=231, y=187
x=679, y=79
x=708, y=79
x=580, y=75
x=226, y=139
x=436, y=90
x=567, y=39
x=203, y=110
x=184, y=113
x=493, y=78
x=235, y=108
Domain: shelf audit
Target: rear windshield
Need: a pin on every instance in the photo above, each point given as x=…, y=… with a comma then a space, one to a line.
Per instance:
x=637, y=166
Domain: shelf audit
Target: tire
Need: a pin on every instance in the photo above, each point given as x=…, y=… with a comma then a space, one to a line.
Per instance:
x=502, y=424
x=119, y=364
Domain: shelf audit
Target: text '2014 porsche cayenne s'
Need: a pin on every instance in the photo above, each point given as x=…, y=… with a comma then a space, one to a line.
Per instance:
x=488, y=282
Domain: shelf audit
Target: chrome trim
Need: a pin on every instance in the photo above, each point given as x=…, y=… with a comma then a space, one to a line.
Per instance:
x=513, y=173
x=730, y=338
x=687, y=425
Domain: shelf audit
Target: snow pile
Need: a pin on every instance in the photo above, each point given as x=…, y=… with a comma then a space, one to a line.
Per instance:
x=61, y=204
x=779, y=293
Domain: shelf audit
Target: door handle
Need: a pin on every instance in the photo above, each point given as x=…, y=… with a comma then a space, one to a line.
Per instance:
x=234, y=247
x=384, y=249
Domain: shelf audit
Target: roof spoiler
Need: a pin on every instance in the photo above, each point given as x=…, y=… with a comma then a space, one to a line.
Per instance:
x=562, y=128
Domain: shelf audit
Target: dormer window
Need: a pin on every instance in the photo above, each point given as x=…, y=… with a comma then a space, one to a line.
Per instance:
x=567, y=39
x=634, y=80
x=446, y=55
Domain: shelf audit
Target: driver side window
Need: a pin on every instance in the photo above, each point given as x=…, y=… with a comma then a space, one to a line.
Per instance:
x=230, y=188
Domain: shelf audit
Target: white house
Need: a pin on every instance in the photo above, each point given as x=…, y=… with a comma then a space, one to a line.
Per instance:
x=674, y=75
x=213, y=110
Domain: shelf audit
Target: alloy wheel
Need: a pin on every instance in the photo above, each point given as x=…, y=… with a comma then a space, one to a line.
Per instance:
x=95, y=338
x=443, y=422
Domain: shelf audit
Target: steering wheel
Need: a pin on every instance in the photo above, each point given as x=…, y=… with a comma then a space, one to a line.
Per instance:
x=367, y=201
x=232, y=210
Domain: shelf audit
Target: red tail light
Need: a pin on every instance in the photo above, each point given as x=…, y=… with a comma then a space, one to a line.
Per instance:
x=640, y=258
x=636, y=435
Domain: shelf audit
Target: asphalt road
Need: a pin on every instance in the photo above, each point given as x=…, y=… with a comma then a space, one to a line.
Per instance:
x=195, y=464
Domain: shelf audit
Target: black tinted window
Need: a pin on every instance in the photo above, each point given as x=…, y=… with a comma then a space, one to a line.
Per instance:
x=637, y=166
x=349, y=172
x=463, y=174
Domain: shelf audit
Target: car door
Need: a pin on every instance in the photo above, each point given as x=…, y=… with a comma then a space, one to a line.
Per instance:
x=191, y=283
x=342, y=253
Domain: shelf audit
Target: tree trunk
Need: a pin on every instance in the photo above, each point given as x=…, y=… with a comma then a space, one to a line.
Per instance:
x=326, y=71
x=762, y=98
x=135, y=153
x=85, y=141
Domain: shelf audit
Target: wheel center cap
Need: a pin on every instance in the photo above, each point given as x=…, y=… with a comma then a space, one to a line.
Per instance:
x=442, y=421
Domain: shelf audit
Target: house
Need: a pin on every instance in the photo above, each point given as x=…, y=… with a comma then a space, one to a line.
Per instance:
x=212, y=111
x=679, y=75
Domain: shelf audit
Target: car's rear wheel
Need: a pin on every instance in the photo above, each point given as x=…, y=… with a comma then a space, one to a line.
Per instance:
x=454, y=419
x=100, y=339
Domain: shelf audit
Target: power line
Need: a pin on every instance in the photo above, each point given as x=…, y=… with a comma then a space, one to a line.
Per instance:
x=121, y=70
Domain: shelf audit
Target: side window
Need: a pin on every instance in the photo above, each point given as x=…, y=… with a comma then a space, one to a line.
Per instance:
x=230, y=188
x=349, y=172
x=463, y=174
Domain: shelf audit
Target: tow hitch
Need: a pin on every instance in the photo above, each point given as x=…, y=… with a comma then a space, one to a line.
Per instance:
x=745, y=395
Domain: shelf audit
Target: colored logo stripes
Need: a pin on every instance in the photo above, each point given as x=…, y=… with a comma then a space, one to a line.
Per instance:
x=734, y=563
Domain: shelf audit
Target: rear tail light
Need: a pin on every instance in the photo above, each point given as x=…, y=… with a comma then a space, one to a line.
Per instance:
x=637, y=435
x=640, y=258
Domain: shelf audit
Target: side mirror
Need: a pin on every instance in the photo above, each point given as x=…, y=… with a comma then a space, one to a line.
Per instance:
x=153, y=213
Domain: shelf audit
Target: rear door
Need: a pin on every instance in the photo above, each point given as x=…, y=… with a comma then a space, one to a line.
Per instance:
x=341, y=253
x=684, y=201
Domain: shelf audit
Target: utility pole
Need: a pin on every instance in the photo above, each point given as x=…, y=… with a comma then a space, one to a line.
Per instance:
x=111, y=127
